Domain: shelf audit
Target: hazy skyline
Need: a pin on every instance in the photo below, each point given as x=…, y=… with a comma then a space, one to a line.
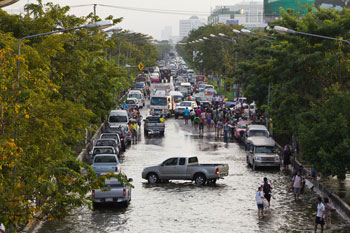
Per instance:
x=140, y=21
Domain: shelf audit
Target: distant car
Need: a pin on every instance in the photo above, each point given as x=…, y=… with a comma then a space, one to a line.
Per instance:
x=122, y=131
x=137, y=94
x=109, y=142
x=132, y=103
x=240, y=129
x=103, y=163
x=230, y=103
x=96, y=150
x=180, y=109
x=113, y=192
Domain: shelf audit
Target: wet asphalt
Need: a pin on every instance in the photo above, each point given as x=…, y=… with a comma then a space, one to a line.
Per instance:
x=181, y=206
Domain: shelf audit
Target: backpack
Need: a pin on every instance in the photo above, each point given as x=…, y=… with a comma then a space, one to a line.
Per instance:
x=266, y=188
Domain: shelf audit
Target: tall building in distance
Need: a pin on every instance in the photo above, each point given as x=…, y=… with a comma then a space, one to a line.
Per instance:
x=187, y=25
x=248, y=14
x=166, y=33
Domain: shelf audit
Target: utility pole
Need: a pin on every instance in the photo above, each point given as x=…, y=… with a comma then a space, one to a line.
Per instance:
x=95, y=12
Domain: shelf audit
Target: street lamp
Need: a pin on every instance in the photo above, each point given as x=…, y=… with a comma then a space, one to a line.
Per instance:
x=222, y=34
x=205, y=38
x=212, y=35
x=236, y=31
x=283, y=30
x=99, y=25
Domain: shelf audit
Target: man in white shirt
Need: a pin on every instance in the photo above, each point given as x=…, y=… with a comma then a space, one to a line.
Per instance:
x=320, y=214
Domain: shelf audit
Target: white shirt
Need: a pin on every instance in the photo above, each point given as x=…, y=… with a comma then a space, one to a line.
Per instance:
x=297, y=182
x=2, y=227
x=258, y=197
x=320, y=209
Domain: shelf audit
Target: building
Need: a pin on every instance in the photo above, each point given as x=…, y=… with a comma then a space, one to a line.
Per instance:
x=249, y=14
x=166, y=33
x=187, y=25
x=272, y=7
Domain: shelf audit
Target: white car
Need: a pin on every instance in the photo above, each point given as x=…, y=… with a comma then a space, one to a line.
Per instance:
x=180, y=109
x=138, y=96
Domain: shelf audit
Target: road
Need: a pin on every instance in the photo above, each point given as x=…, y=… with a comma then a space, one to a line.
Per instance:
x=228, y=206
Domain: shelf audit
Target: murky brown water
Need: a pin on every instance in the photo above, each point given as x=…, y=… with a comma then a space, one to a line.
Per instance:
x=180, y=206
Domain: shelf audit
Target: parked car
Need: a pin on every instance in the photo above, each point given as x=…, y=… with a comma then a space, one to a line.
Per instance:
x=123, y=132
x=240, y=129
x=113, y=192
x=131, y=103
x=109, y=142
x=96, y=150
x=137, y=94
x=103, y=163
x=262, y=152
x=117, y=118
x=180, y=109
x=185, y=168
x=153, y=126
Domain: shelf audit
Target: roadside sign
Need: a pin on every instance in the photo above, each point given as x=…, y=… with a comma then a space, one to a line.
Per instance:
x=140, y=66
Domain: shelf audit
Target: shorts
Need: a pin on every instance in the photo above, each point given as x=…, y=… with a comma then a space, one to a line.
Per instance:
x=260, y=206
x=297, y=190
x=268, y=197
x=208, y=121
x=319, y=221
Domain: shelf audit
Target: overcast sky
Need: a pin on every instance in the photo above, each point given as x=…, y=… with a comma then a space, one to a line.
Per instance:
x=145, y=22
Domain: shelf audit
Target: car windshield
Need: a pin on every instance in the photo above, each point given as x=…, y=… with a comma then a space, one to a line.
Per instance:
x=153, y=119
x=105, y=159
x=135, y=95
x=177, y=99
x=105, y=143
x=139, y=84
x=257, y=133
x=202, y=85
x=114, y=136
x=130, y=102
x=242, y=126
x=103, y=151
x=158, y=101
x=265, y=149
x=187, y=104
x=117, y=119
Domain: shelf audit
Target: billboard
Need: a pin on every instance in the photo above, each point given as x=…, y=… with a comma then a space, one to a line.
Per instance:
x=272, y=7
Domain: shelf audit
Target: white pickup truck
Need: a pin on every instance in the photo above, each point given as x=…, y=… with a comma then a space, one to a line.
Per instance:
x=185, y=168
x=103, y=163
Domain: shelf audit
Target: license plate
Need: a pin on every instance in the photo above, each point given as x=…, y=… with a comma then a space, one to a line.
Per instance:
x=97, y=200
x=109, y=199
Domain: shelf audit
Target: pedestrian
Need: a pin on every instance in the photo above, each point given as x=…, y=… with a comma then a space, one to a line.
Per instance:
x=260, y=202
x=201, y=125
x=287, y=153
x=208, y=121
x=297, y=184
x=226, y=131
x=327, y=213
x=319, y=220
x=267, y=187
x=192, y=114
x=219, y=126
x=195, y=121
x=186, y=115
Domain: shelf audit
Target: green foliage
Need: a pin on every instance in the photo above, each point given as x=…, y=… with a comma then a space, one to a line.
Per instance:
x=67, y=82
x=163, y=48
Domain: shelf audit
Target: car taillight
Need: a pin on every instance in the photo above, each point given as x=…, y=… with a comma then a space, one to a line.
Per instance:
x=124, y=192
x=93, y=193
x=217, y=171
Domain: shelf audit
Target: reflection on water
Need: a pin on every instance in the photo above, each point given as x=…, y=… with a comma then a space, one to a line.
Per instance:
x=182, y=206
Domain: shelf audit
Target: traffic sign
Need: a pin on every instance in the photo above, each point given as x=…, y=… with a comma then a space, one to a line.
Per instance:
x=140, y=66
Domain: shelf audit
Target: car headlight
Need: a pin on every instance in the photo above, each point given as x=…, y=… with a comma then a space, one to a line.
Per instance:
x=257, y=158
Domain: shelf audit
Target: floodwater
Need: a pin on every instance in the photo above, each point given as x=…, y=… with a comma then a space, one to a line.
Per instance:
x=181, y=206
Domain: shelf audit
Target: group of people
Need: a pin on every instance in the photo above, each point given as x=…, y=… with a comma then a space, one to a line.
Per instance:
x=220, y=118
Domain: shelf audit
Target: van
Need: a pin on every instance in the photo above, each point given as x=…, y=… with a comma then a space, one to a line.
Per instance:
x=139, y=97
x=117, y=118
x=262, y=153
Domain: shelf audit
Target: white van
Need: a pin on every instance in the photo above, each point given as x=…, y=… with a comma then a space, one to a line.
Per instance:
x=117, y=118
x=139, y=96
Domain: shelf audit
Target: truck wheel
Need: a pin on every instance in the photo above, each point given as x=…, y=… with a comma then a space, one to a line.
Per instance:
x=200, y=179
x=152, y=178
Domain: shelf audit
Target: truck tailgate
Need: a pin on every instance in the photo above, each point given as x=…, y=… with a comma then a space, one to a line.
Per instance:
x=104, y=167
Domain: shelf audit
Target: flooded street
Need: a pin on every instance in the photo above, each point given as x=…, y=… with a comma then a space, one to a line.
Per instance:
x=181, y=206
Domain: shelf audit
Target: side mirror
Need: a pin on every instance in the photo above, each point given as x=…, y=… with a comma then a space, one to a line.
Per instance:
x=130, y=180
